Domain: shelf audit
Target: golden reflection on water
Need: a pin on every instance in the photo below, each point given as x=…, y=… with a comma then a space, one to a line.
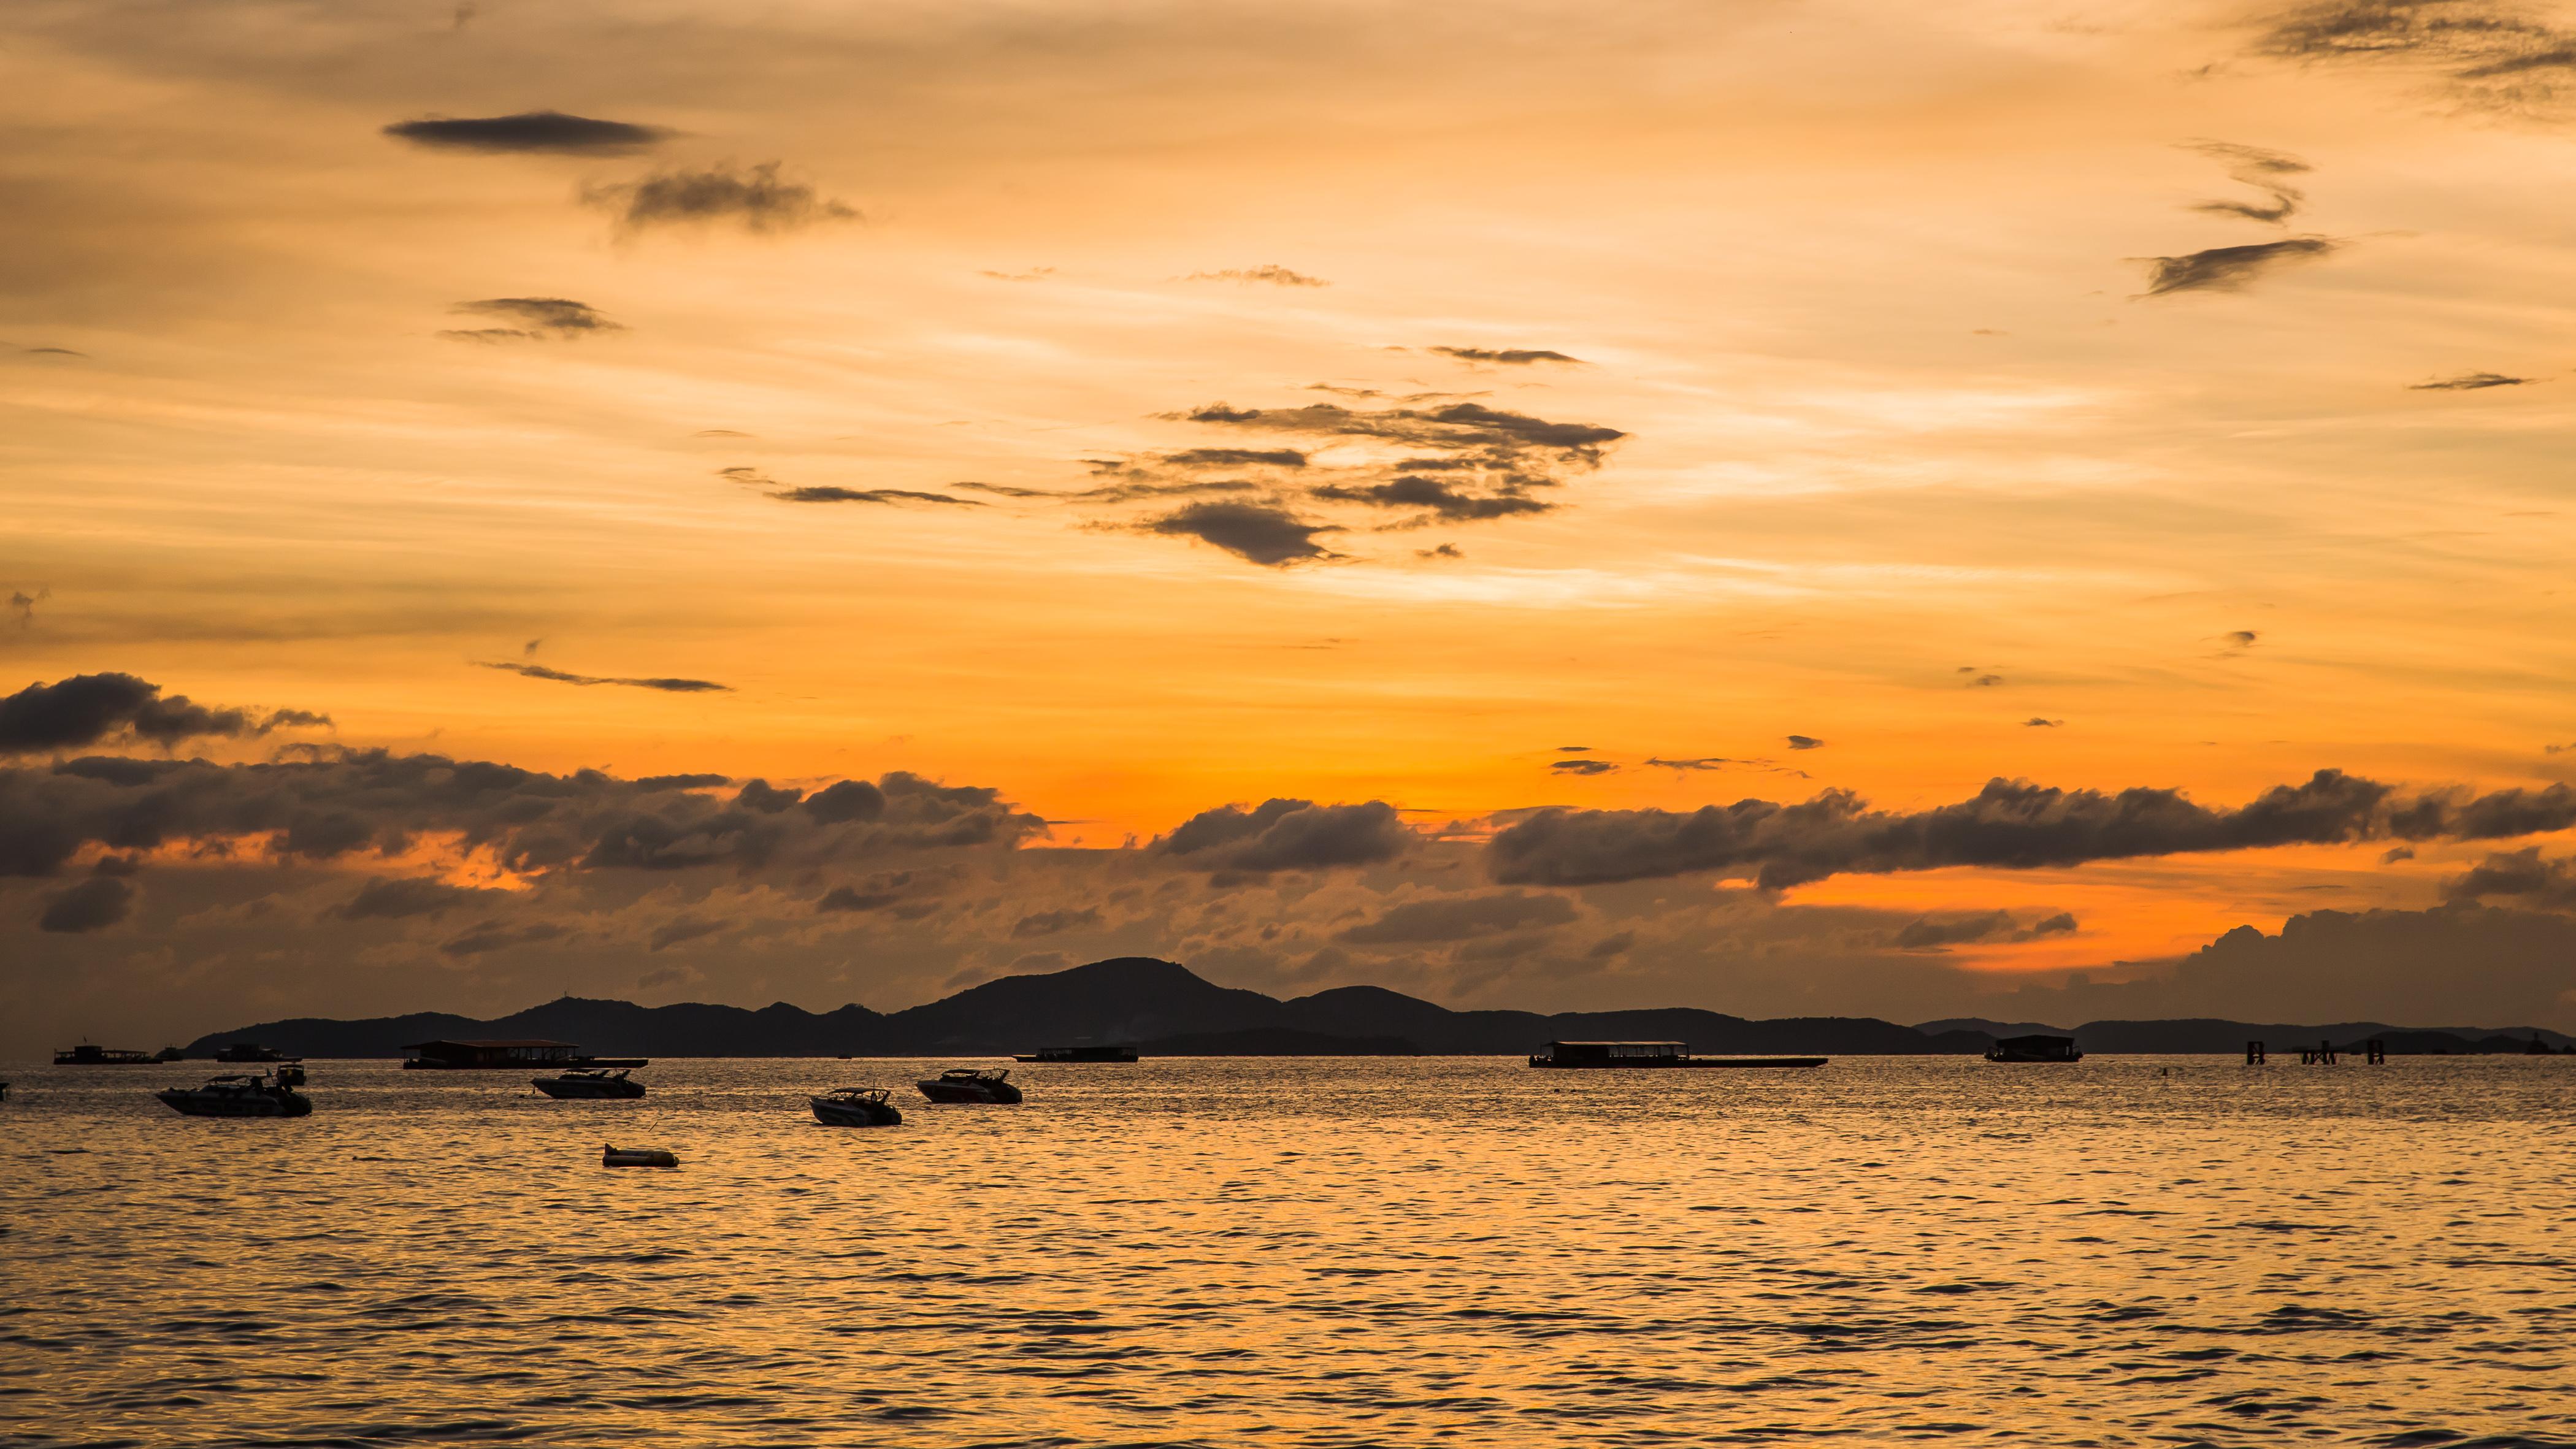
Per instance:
x=1311, y=1253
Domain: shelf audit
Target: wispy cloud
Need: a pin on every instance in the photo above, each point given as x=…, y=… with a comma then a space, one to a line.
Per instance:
x=2228, y=269
x=2261, y=169
x=2472, y=382
x=756, y=198
x=538, y=318
x=666, y=686
x=1507, y=356
x=1255, y=532
x=1272, y=273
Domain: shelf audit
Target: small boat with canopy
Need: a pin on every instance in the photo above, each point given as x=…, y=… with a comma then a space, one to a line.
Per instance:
x=856, y=1107
x=971, y=1084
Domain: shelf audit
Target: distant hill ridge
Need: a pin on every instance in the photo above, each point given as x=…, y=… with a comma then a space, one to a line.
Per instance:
x=1162, y=1005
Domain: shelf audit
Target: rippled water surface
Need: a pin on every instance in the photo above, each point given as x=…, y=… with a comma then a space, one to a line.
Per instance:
x=1433, y=1251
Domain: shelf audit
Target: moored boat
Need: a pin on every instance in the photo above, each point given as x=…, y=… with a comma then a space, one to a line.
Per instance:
x=251, y=1094
x=89, y=1055
x=2035, y=1049
x=856, y=1107
x=1079, y=1054
x=251, y=1051
x=590, y=1085
x=1649, y=1054
x=969, y=1084
x=501, y=1055
x=612, y=1156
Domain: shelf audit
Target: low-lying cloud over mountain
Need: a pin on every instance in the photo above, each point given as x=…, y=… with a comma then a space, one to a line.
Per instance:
x=442, y=875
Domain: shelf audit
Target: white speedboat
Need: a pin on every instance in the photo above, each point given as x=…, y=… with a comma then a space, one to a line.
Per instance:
x=856, y=1107
x=967, y=1084
x=637, y=1157
x=590, y=1085
x=256, y=1094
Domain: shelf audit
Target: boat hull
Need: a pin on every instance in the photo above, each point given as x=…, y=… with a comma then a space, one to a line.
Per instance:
x=2027, y=1060
x=855, y=1114
x=1675, y=1064
x=637, y=1157
x=997, y=1094
x=268, y=1104
x=568, y=1091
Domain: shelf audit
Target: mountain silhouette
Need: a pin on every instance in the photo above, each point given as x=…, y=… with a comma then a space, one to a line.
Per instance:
x=1168, y=1009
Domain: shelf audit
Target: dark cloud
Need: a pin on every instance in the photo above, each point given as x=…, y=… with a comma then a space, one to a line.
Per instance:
x=847, y=801
x=1442, y=500
x=767, y=799
x=1048, y=923
x=23, y=604
x=2063, y=923
x=1704, y=762
x=756, y=199
x=846, y=898
x=549, y=131
x=1443, y=551
x=2038, y=722
x=684, y=928
x=1236, y=458
x=1508, y=356
x=1805, y=742
x=2261, y=169
x=682, y=782
x=1274, y=274
x=1033, y=274
x=2227, y=269
x=87, y=709
x=489, y=936
x=827, y=494
x=345, y=803
x=1462, y=426
x=1986, y=681
x=398, y=898
x=2498, y=55
x=1256, y=532
x=51, y=352
x=539, y=318
x=2472, y=382
x=1584, y=767
x=1574, y=749
x=667, y=686
x=93, y=905
x=1289, y=835
x=1462, y=918
x=2525, y=876
x=2394, y=854
x=2010, y=824
x=1927, y=934
x=2241, y=638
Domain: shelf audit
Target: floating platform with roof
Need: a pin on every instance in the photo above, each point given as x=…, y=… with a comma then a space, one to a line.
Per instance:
x=1649, y=1054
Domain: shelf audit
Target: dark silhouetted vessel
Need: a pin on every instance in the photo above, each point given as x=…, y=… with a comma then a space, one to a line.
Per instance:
x=968, y=1084
x=590, y=1086
x=611, y=1156
x=2035, y=1049
x=87, y=1055
x=1080, y=1054
x=520, y=1052
x=856, y=1107
x=255, y=1094
x=1649, y=1054
x=251, y=1051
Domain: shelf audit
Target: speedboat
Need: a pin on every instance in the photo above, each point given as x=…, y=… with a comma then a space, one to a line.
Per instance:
x=636, y=1157
x=255, y=1094
x=968, y=1084
x=589, y=1084
x=855, y=1107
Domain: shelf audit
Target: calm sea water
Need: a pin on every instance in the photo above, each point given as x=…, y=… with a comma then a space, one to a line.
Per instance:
x=1456, y=1251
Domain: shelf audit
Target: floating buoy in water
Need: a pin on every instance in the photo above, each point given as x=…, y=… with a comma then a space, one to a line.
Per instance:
x=636, y=1157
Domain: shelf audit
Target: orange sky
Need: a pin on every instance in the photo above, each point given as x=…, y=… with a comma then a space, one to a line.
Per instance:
x=1860, y=286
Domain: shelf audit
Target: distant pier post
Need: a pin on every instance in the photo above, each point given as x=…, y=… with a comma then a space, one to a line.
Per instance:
x=2378, y=1052
x=2253, y=1054
x=2321, y=1055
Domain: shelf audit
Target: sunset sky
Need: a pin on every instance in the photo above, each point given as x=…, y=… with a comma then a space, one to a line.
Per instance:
x=1114, y=413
